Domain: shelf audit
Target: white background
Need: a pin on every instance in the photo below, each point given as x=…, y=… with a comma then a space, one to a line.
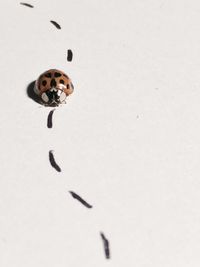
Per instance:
x=128, y=139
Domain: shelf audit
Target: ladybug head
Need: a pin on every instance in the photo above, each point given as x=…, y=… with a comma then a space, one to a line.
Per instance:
x=53, y=96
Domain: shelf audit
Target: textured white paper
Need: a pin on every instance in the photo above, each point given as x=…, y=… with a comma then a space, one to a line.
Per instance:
x=127, y=141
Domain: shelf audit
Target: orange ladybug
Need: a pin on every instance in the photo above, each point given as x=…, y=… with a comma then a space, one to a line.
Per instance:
x=53, y=86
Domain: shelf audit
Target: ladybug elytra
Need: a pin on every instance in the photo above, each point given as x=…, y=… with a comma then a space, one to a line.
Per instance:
x=53, y=86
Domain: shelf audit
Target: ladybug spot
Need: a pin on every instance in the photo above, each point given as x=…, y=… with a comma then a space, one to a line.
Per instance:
x=44, y=83
x=66, y=76
x=48, y=75
x=57, y=74
x=62, y=81
x=67, y=86
x=53, y=83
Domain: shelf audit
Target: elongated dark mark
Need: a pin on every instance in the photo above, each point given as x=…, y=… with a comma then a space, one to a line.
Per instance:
x=26, y=4
x=55, y=24
x=53, y=162
x=106, y=245
x=74, y=195
x=69, y=55
x=49, y=119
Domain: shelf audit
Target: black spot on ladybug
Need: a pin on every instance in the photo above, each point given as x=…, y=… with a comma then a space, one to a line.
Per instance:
x=53, y=83
x=62, y=81
x=44, y=83
x=48, y=75
x=67, y=86
x=55, y=24
x=57, y=74
x=69, y=55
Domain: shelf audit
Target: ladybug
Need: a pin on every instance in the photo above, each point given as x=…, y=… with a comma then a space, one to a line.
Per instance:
x=53, y=86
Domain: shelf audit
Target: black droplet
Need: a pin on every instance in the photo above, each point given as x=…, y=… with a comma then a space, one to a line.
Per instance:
x=74, y=195
x=55, y=24
x=57, y=74
x=26, y=4
x=69, y=55
x=44, y=83
x=62, y=81
x=67, y=86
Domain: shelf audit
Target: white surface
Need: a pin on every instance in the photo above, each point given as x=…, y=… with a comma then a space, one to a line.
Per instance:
x=128, y=140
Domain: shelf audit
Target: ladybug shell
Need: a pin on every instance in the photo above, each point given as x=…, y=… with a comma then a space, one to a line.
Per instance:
x=54, y=78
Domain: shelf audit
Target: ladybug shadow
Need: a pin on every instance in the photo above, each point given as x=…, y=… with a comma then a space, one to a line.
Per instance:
x=31, y=94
